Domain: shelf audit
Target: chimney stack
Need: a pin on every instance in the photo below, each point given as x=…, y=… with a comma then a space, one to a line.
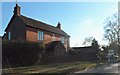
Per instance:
x=17, y=10
x=59, y=25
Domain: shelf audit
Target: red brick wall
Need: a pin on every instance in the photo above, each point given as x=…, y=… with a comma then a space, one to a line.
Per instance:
x=32, y=35
x=17, y=29
x=47, y=37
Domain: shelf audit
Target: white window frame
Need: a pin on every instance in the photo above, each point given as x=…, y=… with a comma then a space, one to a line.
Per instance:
x=40, y=35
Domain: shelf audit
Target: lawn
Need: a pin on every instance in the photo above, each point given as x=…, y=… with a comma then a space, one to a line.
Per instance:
x=70, y=67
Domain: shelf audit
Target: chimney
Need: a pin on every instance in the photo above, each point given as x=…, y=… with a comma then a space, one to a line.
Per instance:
x=59, y=25
x=17, y=10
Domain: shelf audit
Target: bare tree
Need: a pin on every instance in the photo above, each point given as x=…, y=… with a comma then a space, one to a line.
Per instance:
x=112, y=29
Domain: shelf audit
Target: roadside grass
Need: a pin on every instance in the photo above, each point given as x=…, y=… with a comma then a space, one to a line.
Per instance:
x=56, y=68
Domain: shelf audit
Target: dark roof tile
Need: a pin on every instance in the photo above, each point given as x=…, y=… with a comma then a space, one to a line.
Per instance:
x=42, y=26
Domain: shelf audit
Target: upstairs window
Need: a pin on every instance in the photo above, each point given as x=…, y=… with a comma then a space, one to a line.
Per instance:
x=53, y=37
x=9, y=35
x=40, y=35
x=63, y=40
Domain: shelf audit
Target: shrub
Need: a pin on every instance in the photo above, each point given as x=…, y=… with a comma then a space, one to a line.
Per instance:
x=21, y=53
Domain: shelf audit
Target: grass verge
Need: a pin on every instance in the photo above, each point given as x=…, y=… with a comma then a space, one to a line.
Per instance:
x=70, y=67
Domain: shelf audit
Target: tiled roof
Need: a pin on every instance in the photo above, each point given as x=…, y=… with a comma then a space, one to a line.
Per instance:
x=42, y=26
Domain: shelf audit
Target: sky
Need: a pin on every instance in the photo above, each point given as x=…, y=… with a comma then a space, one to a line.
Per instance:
x=79, y=19
x=61, y=0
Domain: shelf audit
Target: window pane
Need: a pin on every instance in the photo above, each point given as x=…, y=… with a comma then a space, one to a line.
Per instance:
x=40, y=35
x=53, y=37
x=9, y=36
x=62, y=40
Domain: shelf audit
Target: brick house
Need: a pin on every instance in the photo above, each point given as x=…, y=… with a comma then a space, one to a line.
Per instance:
x=23, y=28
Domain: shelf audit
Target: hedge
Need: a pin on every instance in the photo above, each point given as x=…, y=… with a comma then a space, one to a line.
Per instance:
x=20, y=53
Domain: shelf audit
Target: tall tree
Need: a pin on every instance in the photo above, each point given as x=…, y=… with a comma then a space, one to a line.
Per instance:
x=112, y=30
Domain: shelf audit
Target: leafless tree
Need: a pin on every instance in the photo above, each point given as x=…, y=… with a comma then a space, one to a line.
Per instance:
x=112, y=29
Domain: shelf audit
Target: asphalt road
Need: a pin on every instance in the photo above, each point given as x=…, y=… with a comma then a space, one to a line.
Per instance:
x=113, y=68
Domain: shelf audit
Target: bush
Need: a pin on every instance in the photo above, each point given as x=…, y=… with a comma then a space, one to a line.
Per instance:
x=21, y=53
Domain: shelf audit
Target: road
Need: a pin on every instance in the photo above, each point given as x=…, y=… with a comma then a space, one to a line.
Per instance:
x=113, y=68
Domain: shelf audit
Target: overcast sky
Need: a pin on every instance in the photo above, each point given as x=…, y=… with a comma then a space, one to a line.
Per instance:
x=78, y=19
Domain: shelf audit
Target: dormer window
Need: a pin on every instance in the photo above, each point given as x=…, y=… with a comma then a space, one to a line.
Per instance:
x=9, y=35
x=40, y=35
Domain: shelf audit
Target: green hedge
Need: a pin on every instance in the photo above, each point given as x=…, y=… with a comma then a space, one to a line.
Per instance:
x=21, y=53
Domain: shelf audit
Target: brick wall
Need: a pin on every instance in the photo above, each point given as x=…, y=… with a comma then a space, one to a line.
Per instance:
x=32, y=35
x=17, y=29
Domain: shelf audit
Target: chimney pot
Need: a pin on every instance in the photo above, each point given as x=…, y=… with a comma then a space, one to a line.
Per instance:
x=17, y=10
x=59, y=25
